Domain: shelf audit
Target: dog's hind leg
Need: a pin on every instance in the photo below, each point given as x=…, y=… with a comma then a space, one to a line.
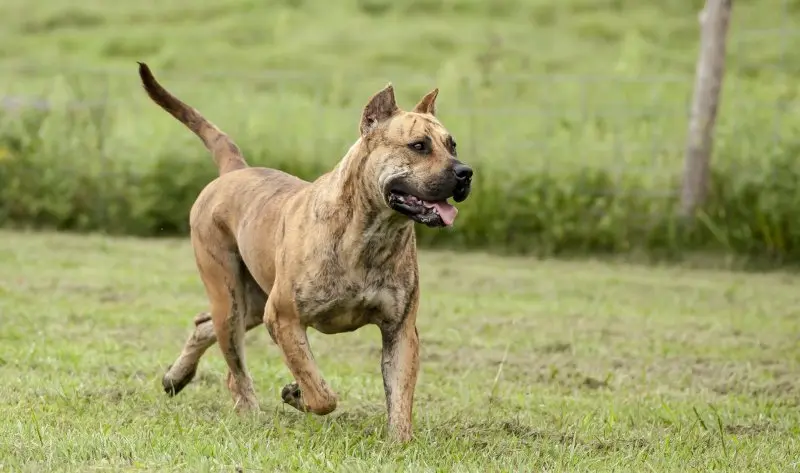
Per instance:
x=182, y=371
x=224, y=276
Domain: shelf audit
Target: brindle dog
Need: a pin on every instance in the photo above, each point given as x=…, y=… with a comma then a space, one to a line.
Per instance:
x=334, y=254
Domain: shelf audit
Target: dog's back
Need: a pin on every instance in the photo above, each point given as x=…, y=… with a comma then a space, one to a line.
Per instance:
x=244, y=197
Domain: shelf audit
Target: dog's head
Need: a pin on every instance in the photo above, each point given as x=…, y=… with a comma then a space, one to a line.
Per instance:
x=413, y=159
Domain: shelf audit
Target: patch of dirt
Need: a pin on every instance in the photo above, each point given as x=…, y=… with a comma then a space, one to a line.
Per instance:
x=558, y=365
x=477, y=431
x=486, y=428
x=556, y=347
x=592, y=383
x=107, y=394
x=779, y=388
x=763, y=378
x=551, y=365
x=746, y=430
x=519, y=430
x=606, y=446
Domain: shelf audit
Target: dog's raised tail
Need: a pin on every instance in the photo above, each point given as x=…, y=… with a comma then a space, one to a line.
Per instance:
x=225, y=152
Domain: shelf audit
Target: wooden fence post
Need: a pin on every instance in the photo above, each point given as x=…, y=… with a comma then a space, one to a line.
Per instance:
x=714, y=21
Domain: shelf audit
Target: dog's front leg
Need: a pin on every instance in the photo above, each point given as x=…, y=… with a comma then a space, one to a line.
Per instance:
x=310, y=392
x=399, y=366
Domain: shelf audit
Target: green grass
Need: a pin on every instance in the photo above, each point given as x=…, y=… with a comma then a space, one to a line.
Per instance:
x=526, y=366
x=525, y=84
x=573, y=113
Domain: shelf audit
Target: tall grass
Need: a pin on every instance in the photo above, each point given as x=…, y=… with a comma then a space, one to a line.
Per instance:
x=572, y=113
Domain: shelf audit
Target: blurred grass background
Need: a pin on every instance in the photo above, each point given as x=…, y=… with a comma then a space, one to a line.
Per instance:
x=574, y=113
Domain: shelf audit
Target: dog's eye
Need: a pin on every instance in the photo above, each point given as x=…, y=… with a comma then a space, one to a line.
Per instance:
x=420, y=146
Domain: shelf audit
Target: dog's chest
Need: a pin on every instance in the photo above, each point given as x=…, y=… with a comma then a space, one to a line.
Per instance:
x=342, y=305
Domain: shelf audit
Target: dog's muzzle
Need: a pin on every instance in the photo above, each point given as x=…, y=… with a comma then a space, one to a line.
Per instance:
x=429, y=206
x=463, y=182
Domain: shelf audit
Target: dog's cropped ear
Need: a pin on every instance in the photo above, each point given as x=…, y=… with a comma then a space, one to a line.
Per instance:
x=428, y=103
x=380, y=107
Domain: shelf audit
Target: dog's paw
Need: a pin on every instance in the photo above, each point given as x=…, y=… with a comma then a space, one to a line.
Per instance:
x=292, y=395
x=173, y=383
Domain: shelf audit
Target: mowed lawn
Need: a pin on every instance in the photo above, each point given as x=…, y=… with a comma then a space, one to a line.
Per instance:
x=526, y=366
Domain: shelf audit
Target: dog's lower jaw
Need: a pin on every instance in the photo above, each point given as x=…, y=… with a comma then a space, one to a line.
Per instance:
x=417, y=210
x=430, y=219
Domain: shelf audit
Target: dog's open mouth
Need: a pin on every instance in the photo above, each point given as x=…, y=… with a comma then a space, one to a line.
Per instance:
x=432, y=214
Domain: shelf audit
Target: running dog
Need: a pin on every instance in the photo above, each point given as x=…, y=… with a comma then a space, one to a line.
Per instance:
x=334, y=254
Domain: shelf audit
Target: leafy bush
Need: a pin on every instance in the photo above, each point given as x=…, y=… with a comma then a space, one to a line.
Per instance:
x=55, y=172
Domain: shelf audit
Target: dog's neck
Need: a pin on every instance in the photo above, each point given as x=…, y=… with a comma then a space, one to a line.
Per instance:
x=352, y=198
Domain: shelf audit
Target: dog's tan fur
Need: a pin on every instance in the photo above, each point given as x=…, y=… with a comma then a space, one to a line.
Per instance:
x=331, y=254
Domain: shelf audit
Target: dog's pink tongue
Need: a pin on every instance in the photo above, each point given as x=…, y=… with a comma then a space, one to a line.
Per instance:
x=446, y=211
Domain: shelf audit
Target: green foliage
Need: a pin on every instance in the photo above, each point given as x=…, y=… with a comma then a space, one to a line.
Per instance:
x=573, y=113
x=72, y=183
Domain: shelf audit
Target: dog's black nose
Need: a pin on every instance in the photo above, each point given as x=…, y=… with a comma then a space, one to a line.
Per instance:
x=463, y=181
x=463, y=172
